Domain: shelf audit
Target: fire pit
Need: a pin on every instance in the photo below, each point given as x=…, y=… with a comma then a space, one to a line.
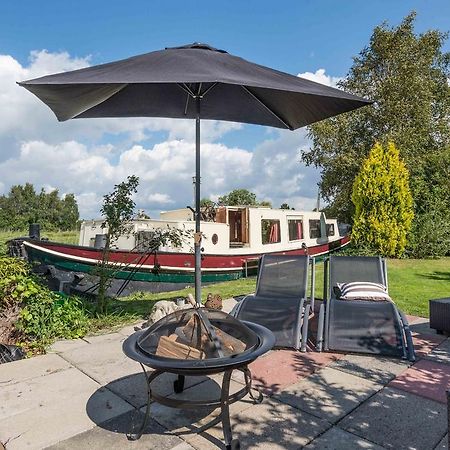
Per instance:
x=195, y=342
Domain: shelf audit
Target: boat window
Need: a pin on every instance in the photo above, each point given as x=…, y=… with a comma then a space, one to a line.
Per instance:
x=330, y=229
x=314, y=229
x=295, y=229
x=270, y=231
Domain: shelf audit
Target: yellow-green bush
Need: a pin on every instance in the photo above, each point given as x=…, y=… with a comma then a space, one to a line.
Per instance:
x=383, y=202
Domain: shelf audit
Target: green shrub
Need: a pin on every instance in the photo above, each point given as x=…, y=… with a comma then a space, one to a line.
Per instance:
x=44, y=315
x=383, y=202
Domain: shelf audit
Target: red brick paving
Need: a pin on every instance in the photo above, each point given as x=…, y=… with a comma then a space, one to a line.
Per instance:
x=426, y=378
x=413, y=319
x=282, y=368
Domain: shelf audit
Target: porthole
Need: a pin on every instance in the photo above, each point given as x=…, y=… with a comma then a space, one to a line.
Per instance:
x=215, y=239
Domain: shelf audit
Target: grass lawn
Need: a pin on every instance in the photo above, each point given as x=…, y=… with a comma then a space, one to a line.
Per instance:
x=412, y=283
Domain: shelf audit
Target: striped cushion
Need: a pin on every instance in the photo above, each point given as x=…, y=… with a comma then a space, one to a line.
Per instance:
x=362, y=290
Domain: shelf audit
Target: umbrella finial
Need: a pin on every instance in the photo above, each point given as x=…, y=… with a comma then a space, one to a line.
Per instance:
x=197, y=45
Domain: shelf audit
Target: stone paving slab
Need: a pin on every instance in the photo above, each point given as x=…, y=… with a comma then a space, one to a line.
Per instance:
x=112, y=435
x=269, y=425
x=338, y=439
x=421, y=326
x=27, y=369
x=133, y=388
x=329, y=394
x=130, y=329
x=378, y=369
x=65, y=345
x=42, y=411
x=426, y=378
x=425, y=343
x=398, y=420
x=105, y=338
x=269, y=378
x=441, y=353
x=189, y=420
x=103, y=360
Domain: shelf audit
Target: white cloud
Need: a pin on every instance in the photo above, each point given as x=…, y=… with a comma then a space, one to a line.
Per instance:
x=160, y=199
x=87, y=157
x=319, y=76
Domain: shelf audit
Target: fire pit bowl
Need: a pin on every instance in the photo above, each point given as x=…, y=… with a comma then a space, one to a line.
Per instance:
x=196, y=342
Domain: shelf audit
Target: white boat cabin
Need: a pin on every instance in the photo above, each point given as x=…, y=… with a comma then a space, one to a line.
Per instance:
x=229, y=230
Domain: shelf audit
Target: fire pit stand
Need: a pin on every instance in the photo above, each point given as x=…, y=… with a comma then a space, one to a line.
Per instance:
x=262, y=341
x=223, y=403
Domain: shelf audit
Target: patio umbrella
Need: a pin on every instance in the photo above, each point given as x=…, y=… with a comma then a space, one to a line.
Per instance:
x=193, y=81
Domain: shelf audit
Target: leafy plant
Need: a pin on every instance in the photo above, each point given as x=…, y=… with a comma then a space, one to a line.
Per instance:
x=40, y=315
x=383, y=202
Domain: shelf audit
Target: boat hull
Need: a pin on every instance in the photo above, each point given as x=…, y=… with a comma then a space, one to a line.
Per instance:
x=163, y=267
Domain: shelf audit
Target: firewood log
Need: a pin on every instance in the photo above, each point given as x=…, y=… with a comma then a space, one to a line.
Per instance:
x=169, y=348
x=229, y=343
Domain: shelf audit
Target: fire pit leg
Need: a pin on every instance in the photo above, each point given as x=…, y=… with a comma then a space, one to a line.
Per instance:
x=178, y=384
x=248, y=384
x=230, y=443
x=149, y=379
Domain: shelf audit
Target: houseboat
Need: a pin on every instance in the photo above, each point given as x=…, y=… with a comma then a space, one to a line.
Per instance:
x=233, y=239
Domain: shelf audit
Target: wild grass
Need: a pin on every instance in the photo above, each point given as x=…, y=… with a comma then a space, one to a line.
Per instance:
x=66, y=237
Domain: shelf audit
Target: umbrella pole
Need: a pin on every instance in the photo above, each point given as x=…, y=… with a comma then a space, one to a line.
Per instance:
x=197, y=239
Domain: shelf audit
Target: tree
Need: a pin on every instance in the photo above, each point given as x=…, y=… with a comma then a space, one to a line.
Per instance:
x=406, y=75
x=239, y=197
x=206, y=203
x=285, y=206
x=117, y=210
x=242, y=197
x=383, y=202
x=23, y=206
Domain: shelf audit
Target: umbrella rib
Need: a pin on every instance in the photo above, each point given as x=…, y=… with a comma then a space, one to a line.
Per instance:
x=267, y=108
x=186, y=89
x=211, y=87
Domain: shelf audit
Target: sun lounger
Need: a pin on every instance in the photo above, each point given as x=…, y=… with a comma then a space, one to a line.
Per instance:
x=280, y=302
x=364, y=321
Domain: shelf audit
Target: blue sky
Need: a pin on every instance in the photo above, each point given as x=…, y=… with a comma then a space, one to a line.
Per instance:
x=294, y=36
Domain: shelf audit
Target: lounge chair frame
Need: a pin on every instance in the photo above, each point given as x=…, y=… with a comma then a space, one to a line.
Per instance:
x=296, y=299
x=323, y=329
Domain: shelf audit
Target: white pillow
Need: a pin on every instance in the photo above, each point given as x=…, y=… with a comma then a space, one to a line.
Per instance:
x=362, y=290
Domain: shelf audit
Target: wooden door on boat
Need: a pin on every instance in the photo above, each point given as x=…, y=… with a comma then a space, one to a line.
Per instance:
x=237, y=220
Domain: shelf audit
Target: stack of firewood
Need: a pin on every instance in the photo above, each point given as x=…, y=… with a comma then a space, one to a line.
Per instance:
x=192, y=342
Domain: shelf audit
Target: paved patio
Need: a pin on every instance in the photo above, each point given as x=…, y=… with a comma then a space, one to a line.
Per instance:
x=87, y=394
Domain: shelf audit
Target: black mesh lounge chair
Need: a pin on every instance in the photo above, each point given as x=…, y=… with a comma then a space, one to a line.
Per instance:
x=280, y=302
x=363, y=326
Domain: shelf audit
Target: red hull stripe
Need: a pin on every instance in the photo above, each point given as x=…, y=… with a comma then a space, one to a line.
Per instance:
x=177, y=260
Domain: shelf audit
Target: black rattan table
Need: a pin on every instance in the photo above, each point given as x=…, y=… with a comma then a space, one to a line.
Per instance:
x=440, y=315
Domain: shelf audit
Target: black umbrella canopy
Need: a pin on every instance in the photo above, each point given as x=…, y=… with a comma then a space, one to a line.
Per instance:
x=193, y=81
x=164, y=83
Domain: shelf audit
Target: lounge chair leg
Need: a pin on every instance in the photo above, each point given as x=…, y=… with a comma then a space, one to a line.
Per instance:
x=409, y=341
x=319, y=342
x=305, y=329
